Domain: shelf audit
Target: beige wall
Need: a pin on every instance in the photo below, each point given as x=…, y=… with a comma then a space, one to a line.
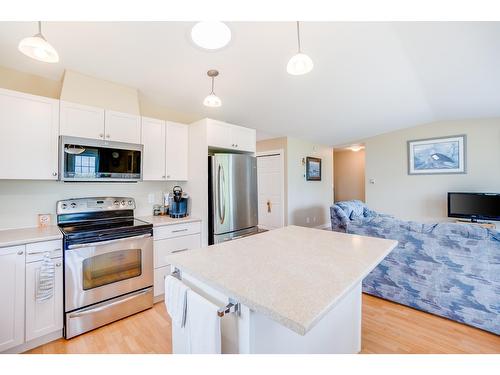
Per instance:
x=309, y=199
x=424, y=197
x=150, y=108
x=349, y=175
x=29, y=83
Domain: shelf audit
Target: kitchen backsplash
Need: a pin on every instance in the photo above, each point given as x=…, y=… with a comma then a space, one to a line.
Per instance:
x=22, y=200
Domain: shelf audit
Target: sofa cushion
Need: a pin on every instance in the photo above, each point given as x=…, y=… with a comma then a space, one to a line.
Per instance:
x=353, y=208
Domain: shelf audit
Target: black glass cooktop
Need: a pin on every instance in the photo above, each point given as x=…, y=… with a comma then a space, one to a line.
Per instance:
x=100, y=230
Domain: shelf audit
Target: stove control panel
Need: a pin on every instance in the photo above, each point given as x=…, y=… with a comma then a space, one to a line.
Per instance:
x=83, y=205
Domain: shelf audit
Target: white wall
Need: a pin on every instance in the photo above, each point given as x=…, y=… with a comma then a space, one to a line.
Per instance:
x=309, y=199
x=22, y=201
x=424, y=197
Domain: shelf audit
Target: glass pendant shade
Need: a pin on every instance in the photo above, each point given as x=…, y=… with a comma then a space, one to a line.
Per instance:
x=212, y=100
x=211, y=35
x=299, y=64
x=38, y=48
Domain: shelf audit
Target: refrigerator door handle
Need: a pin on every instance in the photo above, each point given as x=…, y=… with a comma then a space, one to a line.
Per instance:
x=220, y=195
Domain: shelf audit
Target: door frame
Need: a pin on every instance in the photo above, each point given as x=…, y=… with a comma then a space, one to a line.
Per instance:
x=281, y=154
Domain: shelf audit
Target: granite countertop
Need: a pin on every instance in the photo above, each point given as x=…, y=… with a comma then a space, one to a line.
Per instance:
x=21, y=236
x=159, y=221
x=293, y=275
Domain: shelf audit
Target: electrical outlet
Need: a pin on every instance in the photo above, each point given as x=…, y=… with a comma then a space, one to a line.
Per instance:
x=308, y=220
x=314, y=219
x=151, y=198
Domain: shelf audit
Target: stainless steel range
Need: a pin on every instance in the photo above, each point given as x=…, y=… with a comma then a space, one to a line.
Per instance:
x=108, y=262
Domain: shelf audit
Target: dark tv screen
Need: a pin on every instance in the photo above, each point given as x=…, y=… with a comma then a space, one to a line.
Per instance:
x=474, y=205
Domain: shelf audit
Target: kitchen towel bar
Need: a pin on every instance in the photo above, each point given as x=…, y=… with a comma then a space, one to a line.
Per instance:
x=232, y=307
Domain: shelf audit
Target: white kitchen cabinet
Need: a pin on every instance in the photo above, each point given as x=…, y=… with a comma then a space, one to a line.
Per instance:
x=230, y=137
x=78, y=120
x=28, y=136
x=12, y=282
x=177, y=151
x=153, y=139
x=43, y=317
x=122, y=127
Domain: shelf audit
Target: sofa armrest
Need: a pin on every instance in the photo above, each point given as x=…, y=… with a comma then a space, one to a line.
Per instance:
x=338, y=218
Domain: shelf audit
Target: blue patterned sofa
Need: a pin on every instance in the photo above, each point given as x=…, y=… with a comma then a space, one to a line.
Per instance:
x=447, y=269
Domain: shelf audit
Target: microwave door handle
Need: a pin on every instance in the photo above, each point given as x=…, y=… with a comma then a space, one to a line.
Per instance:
x=102, y=243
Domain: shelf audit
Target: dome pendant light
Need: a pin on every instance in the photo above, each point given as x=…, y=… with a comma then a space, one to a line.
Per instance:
x=212, y=100
x=300, y=63
x=38, y=48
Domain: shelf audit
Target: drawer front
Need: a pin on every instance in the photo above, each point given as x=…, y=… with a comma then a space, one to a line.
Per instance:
x=169, y=246
x=176, y=230
x=159, y=285
x=35, y=251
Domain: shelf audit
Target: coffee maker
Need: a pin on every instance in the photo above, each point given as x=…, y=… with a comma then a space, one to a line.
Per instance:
x=178, y=203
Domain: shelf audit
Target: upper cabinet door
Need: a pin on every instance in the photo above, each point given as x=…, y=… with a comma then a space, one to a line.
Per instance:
x=78, y=120
x=218, y=134
x=153, y=139
x=122, y=127
x=12, y=271
x=177, y=151
x=28, y=136
x=243, y=139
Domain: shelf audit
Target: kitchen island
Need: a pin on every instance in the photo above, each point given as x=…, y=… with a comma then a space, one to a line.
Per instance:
x=298, y=289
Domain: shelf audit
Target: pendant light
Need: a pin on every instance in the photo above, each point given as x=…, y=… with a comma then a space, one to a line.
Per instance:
x=300, y=63
x=38, y=48
x=212, y=100
x=211, y=35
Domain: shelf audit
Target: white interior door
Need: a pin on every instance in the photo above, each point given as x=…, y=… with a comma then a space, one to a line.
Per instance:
x=270, y=187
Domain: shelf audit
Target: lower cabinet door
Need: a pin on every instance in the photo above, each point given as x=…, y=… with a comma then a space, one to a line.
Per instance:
x=160, y=274
x=12, y=261
x=43, y=317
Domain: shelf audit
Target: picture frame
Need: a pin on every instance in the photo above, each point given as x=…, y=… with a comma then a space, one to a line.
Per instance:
x=440, y=155
x=313, y=169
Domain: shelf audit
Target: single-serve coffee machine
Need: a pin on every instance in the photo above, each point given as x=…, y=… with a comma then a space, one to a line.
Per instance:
x=177, y=201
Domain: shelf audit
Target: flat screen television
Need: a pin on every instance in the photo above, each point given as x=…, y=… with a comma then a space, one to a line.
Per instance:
x=474, y=206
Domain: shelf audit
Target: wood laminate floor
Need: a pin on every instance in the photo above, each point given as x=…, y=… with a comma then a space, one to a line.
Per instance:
x=387, y=328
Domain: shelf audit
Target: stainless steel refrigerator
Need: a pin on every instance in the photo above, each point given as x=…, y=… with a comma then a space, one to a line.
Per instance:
x=232, y=197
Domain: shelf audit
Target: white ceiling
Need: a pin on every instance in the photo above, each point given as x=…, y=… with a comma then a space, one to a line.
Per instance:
x=368, y=78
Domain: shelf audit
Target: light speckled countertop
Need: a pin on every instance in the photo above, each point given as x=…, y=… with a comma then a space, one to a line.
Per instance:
x=294, y=275
x=162, y=220
x=21, y=236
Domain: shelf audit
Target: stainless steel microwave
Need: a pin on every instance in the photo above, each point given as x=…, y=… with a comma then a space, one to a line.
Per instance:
x=94, y=160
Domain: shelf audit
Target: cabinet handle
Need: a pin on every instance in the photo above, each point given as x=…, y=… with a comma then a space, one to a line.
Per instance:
x=54, y=174
x=168, y=176
x=107, y=136
x=236, y=145
x=178, y=251
x=58, y=264
x=163, y=177
x=180, y=230
x=101, y=135
x=20, y=252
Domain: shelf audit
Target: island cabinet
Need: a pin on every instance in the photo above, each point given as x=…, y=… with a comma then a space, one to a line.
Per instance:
x=29, y=127
x=165, y=150
x=286, y=291
x=78, y=120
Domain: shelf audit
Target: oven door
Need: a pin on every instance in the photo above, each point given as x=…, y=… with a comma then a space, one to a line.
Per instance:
x=97, y=271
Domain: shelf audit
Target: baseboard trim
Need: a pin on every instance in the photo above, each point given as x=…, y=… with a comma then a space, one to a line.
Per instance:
x=35, y=343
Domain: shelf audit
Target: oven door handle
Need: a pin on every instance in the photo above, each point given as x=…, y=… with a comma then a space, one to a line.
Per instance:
x=92, y=310
x=102, y=243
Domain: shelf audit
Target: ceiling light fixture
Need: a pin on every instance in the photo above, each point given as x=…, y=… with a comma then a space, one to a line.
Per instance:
x=211, y=35
x=212, y=100
x=38, y=48
x=300, y=63
x=356, y=148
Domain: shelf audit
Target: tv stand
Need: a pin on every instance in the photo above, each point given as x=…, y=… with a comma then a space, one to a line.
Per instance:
x=475, y=222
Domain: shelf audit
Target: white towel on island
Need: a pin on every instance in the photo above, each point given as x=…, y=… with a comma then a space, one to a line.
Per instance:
x=202, y=325
x=175, y=300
